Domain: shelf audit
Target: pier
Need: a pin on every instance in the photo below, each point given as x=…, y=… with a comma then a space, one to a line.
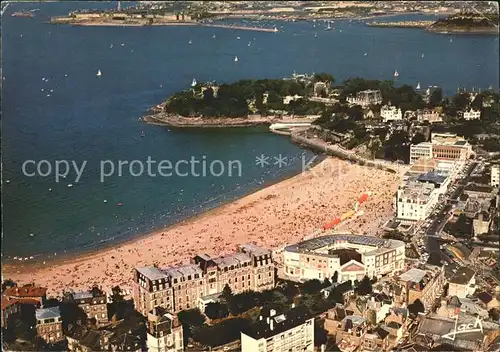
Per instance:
x=402, y=24
x=258, y=29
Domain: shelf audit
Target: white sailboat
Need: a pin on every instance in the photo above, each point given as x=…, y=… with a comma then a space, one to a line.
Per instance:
x=99, y=73
x=275, y=29
x=423, y=55
x=213, y=37
x=190, y=41
x=236, y=59
x=451, y=40
x=366, y=54
x=396, y=73
x=328, y=27
x=249, y=43
x=418, y=86
x=193, y=83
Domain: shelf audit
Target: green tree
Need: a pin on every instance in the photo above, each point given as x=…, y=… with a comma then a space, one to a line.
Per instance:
x=191, y=318
x=216, y=310
x=324, y=77
x=8, y=283
x=418, y=138
x=374, y=147
x=436, y=97
x=365, y=287
x=312, y=286
x=118, y=305
x=335, y=276
x=227, y=293
x=71, y=313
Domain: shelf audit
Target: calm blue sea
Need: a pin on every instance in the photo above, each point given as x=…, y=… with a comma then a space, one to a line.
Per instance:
x=89, y=118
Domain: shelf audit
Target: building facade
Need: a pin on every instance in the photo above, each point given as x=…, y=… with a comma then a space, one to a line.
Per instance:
x=181, y=287
x=366, y=98
x=472, y=114
x=424, y=285
x=293, y=331
x=430, y=115
x=442, y=147
x=416, y=200
x=390, y=113
x=94, y=303
x=495, y=175
x=49, y=324
x=463, y=283
x=351, y=256
x=164, y=332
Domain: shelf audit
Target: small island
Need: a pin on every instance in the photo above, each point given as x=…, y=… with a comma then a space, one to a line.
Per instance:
x=467, y=23
x=464, y=22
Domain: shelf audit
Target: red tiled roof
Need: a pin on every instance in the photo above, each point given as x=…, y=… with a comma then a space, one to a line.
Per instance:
x=7, y=302
x=25, y=291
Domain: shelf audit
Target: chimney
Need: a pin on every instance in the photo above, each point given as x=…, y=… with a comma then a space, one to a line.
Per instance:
x=267, y=320
x=260, y=317
x=293, y=305
x=272, y=313
x=272, y=324
x=323, y=348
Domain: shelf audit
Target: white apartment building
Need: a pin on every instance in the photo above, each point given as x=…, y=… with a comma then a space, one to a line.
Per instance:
x=472, y=114
x=164, y=332
x=463, y=283
x=495, y=175
x=416, y=200
x=293, y=331
x=351, y=256
x=390, y=113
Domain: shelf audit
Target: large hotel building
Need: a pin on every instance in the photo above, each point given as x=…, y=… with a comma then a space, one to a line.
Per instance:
x=182, y=287
x=351, y=256
x=443, y=147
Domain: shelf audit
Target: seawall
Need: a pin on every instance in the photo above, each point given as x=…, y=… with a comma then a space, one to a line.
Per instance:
x=339, y=152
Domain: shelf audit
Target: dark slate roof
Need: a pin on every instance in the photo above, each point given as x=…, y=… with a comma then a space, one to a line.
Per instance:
x=293, y=318
x=477, y=188
x=344, y=287
x=462, y=276
x=48, y=313
x=381, y=333
x=346, y=255
x=394, y=325
x=432, y=177
x=126, y=342
x=380, y=297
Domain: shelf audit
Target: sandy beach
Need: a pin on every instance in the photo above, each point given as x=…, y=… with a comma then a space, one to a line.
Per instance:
x=280, y=214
